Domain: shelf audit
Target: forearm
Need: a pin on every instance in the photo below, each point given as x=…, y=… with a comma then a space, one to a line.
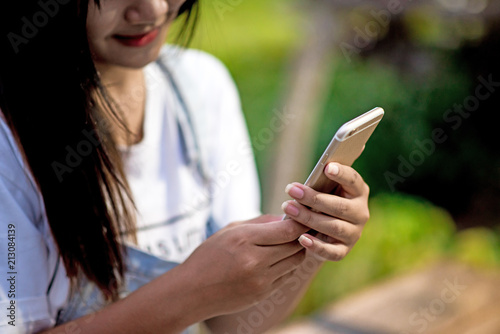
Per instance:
x=273, y=310
x=168, y=304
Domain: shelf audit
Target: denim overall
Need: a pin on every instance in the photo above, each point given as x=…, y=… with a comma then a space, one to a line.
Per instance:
x=142, y=267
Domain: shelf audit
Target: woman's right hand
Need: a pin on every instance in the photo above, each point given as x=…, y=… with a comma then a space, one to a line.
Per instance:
x=245, y=262
x=235, y=268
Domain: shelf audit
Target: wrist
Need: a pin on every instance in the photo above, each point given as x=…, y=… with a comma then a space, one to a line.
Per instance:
x=171, y=301
x=185, y=296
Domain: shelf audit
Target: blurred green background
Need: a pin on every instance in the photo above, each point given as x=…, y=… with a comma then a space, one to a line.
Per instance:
x=423, y=64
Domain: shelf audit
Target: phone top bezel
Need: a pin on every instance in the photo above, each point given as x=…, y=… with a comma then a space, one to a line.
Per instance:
x=359, y=123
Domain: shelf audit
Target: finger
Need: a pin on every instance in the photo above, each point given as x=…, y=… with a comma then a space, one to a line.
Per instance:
x=287, y=265
x=275, y=233
x=308, y=266
x=276, y=253
x=338, y=229
x=324, y=250
x=331, y=205
x=350, y=180
x=280, y=281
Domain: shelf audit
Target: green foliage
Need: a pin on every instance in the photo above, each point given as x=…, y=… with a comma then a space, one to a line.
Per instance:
x=478, y=247
x=413, y=109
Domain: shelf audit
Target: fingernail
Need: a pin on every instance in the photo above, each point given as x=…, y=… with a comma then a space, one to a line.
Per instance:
x=294, y=191
x=333, y=169
x=290, y=209
x=305, y=241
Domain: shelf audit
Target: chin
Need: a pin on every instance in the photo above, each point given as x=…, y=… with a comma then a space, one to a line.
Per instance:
x=137, y=63
x=135, y=58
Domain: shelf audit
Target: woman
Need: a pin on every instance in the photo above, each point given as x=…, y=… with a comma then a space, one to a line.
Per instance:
x=120, y=159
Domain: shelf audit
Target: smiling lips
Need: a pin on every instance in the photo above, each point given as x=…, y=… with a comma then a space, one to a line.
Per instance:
x=138, y=40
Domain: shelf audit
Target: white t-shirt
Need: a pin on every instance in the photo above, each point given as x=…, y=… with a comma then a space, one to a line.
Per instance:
x=173, y=203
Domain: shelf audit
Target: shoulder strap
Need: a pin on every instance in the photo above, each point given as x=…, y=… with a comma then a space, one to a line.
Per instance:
x=189, y=133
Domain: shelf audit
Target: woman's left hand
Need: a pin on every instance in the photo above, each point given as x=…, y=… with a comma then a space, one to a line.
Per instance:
x=338, y=218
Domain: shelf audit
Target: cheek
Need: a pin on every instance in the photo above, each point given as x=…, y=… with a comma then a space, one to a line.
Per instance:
x=101, y=22
x=93, y=26
x=95, y=36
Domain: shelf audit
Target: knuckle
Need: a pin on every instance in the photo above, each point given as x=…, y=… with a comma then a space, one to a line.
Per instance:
x=365, y=216
x=338, y=255
x=249, y=264
x=340, y=207
x=354, y=178
x=289, y=231
x=315, y=200
x=362, y=215
x=341, y=173
x=337, y=231
x=356, y=238
x=236, y=237
x=322, y=252
x=308, y=218
x=366, y=189
x=353, y=239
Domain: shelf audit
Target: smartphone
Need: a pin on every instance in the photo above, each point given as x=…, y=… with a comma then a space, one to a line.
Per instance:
x=344, y=148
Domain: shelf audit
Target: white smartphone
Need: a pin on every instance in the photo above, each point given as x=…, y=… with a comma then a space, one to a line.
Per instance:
x=345, y=147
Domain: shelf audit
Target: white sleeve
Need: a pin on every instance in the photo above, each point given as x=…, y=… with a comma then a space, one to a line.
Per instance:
x=24, y=266
x=27, y=261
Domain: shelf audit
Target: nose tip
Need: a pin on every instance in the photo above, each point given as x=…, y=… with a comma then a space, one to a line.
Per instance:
x=146, y=11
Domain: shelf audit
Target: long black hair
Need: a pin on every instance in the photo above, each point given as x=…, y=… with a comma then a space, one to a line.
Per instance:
x=52, y=98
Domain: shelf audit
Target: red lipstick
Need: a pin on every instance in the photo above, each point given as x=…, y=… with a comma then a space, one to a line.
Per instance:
x=138, y=40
